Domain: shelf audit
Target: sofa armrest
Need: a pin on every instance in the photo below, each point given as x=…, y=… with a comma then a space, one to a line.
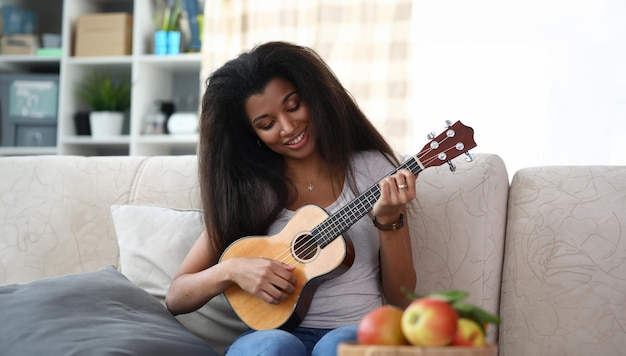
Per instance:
x=457, y=229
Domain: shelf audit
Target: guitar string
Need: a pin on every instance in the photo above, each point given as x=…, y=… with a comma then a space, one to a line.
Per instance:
x=357, y=206
x=332, y=229
x=329, y=228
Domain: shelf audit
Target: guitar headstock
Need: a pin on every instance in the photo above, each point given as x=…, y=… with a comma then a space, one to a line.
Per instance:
x=452, y=142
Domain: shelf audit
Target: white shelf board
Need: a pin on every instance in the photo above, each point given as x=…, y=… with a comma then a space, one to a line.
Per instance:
x=27, y=151
x=190, y=138
x=14, y=62
x=28, y=58
x=109, y=61
x=186, y=61
x=88, y=140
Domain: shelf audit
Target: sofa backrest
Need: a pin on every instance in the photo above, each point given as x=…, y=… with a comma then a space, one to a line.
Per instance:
x=55, y=210
x=55, y=217
x=564, y=276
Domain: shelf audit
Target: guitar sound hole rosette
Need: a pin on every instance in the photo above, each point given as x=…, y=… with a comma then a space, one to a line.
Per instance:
x=305, y=248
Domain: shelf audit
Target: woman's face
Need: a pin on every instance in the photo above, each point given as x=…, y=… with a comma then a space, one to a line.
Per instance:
x=280, y=119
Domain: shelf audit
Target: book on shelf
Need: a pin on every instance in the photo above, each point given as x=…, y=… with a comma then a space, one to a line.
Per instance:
x=193, y=16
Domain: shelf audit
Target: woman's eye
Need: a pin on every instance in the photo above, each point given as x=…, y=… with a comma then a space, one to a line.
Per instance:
x=294, y=106
x=268, y=126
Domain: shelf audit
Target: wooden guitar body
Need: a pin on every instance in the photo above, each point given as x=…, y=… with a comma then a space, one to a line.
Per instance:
x=293, y=245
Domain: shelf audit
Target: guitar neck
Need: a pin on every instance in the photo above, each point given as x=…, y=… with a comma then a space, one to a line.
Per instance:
x=452, y=142
x=347, y=216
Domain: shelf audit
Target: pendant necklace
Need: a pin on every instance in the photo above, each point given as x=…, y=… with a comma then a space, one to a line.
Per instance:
x=310, y=186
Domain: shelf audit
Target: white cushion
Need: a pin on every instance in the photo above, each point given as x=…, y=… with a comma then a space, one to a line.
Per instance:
x=153, y=242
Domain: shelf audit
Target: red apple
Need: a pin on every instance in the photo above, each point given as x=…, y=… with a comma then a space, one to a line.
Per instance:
x=429, y=321
x=382, y=326
x=468, y=333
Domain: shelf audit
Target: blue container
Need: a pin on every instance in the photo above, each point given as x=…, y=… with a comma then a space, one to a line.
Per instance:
x=173, y=42
x=160, y=42
x=167, y=42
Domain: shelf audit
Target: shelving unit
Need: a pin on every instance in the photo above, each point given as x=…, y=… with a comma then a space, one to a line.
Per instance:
x=163, y=78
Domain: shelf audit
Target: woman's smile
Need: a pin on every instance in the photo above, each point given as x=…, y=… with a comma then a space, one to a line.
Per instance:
x=299, y=139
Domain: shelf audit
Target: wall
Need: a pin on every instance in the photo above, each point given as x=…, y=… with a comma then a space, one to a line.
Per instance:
x=541, y=81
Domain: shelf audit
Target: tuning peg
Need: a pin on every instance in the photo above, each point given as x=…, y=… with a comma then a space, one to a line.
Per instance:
x=448, y=123
x=431, y=135
x=452, y=166
x=469, y=157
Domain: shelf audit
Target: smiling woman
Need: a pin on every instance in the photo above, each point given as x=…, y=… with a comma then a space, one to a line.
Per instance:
x=303, y=149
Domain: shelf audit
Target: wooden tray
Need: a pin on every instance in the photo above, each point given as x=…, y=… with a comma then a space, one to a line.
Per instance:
x=351, y=349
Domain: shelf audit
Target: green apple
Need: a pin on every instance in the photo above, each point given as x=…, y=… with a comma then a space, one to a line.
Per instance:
x=382, y=326
x=429, y=321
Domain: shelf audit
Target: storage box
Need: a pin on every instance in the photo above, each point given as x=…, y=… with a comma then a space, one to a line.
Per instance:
x=36, y=136
x=16, y=20
x=351, y=349
x=19, y=44
x=28, y=109
x=108, y=34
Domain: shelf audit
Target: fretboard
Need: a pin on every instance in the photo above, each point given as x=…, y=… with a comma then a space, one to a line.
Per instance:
x=344, y=218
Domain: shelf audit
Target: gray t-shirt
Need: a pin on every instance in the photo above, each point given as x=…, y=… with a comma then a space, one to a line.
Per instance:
x=347, y=298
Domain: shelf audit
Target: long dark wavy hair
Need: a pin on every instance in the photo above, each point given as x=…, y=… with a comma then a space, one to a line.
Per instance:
x=243, y=183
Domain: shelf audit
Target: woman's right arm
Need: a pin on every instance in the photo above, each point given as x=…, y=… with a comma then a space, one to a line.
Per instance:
x=200, y=278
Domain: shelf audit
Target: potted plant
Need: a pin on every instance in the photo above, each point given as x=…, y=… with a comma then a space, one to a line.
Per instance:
x=109, y=100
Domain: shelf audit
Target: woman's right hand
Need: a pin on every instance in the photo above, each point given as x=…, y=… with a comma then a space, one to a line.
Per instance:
x=267, y=279
x=200, y=278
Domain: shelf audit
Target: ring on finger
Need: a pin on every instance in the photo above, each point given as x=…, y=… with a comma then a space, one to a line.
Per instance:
x=401, y=186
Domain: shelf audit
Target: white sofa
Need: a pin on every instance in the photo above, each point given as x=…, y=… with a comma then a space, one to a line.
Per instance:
x=547, y=252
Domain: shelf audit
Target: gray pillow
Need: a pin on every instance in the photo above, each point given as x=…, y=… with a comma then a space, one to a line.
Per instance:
x=92, y=313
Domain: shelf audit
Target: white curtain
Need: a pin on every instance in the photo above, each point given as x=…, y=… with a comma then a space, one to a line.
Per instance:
x=543, y=82
x=365, y=42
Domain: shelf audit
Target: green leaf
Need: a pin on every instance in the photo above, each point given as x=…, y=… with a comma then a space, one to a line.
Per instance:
x=410, y=295
x=475, y=313
x=102, y=93
x=447, y=295
x=451, y=296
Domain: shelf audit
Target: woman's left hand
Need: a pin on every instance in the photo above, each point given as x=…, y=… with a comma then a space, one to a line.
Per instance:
x=395, y=192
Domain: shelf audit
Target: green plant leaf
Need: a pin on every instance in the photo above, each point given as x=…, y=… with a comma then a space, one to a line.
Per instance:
x=450, y=296
x=102, y=93
x=475, y=313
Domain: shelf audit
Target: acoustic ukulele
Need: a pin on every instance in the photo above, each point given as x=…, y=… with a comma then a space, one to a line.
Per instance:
x=312, y=239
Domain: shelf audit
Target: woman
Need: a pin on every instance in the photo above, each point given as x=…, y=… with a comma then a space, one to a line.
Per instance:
x=278, y=131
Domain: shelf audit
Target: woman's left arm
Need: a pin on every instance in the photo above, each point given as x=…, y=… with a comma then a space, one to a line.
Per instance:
x=396, y=255
x=396, y=265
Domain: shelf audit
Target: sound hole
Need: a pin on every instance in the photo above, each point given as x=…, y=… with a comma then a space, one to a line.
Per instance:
x=305, y=247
